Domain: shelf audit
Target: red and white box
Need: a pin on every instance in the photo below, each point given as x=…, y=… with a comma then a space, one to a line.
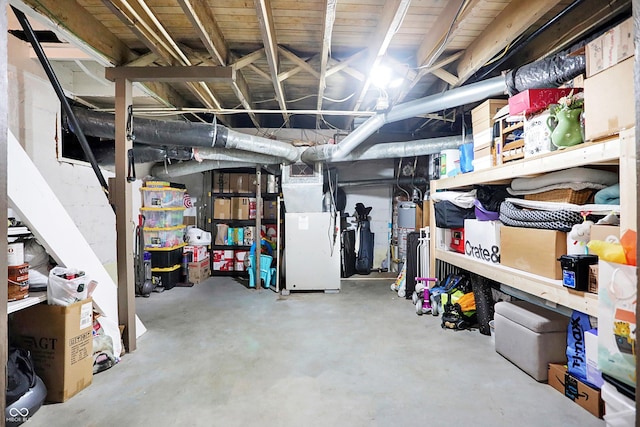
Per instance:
x=199, y=253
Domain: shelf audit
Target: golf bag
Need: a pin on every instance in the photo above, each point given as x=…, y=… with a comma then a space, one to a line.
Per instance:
x=364, y=240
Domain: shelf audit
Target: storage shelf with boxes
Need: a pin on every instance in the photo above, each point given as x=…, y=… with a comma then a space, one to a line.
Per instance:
x=233, y=217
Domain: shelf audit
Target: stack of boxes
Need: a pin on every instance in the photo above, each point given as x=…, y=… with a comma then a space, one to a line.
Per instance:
x=235, y=201
x=482, y=118
x=163, y=210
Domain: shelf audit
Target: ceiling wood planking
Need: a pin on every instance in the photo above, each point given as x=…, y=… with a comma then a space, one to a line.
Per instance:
x=508, y=25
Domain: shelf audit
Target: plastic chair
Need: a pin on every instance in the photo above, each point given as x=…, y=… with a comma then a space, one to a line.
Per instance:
x=267, y=273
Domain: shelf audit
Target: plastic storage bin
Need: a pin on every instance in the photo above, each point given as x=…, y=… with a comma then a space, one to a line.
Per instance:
x=620, y=410
x=162, y=197
x=166, y=237
x=167, y=277
x=162, y=217
x=166, y=257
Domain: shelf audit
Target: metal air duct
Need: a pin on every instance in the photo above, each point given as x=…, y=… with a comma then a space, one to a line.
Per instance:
x=449, y=99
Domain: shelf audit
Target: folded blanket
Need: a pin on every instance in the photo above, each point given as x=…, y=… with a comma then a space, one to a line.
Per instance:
x=578, y=175
x=608, y=196
x=546, y=220
x=576, y=186
x=458, y=198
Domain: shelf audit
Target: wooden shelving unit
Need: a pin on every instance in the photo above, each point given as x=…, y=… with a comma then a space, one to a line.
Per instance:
x=613, y=151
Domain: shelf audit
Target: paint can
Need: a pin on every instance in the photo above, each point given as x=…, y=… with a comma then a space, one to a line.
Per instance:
x=18, y=282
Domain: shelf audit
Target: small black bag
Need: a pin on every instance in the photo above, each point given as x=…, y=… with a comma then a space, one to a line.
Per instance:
x=449, y=215
x=21, y=374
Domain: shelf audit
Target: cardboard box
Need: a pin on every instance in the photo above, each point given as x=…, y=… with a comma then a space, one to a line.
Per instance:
x=198, y=252
x=610, y=48
x=240, y=207
x=582, y=394
x=537, y=135
x=199, y=271
x=592, y=287
x=482, y=240
x=220, y=183
x=270, y=209
x=443, y=239
x=240, y=183
x=609, y=103
x=189, y=220
x=533, y=100
x=602, y=232
x=482, y=115
x=61, y=342
x=222, y=208
x=533, y=250
x=482, y=139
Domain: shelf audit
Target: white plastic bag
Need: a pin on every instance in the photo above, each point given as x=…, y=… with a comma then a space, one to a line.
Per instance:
x=66, y=286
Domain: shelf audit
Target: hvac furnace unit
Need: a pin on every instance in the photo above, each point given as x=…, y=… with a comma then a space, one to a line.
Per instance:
x=312, y=246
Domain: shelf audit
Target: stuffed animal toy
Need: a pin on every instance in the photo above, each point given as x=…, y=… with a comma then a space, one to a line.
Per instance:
x=581, y=232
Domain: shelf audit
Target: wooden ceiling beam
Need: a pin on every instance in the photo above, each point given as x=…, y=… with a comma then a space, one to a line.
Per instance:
x=446, y=76
x=265, y=18
x=436, y=37
x=329, y=13
x=201, y=17
x=388, y=24
x=71, y=18
x=157, y=40
x=516, y=18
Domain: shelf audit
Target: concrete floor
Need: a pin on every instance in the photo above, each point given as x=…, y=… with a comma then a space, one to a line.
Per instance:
x=218, y=354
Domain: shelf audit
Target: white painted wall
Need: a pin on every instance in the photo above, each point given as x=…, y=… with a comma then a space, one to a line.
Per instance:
x=378, y=197
x=34, y=118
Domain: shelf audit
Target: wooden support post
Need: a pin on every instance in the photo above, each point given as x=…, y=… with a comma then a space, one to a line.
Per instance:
x=124, y=222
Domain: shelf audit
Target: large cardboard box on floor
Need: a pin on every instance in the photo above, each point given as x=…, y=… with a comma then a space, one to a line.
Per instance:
x=533, y=250
x=61, y=343
x=609, y=102
x=582, y=394
x=199, y=271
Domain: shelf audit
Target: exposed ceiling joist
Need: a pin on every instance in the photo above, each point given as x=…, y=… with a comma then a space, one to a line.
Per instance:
x=505, y=28
x=102, y=42
x=329, y=13
x=263, y=10
x=195, y=73
x=435, y=40
x=149, y=30
x=424, y=71
x=202, y=19
x=388, y=25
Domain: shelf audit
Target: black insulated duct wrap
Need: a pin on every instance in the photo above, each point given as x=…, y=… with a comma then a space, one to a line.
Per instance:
x=148, y=131
x=549, y=72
